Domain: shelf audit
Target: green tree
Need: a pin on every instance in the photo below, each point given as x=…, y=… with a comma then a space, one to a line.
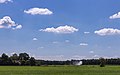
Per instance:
x=14, y=57
x=24, y=56
x=102, y=62
x=4, y=56
x=4, y=59
x=32, y=61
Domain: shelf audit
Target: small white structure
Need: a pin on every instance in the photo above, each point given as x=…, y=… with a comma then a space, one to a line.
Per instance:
x=77, y=63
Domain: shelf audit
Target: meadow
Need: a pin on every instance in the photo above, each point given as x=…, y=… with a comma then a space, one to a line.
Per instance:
x=59, y=70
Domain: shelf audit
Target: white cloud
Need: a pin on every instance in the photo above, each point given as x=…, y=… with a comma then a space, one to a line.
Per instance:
x=55, y=42
x=67, y=41
x=35, y=39
x=77, y=57
x=91, y=52
x=5, y=1
x=38, y=11
x=96, y=56
x=83, y=44
x=109, y=57
x=6, y=22
x=115, y=16
x=86, y=32
x=19, y=27
x=57, y=57
x=61, y=30
x=12, y=53
x=108, y=31
x=39, y=48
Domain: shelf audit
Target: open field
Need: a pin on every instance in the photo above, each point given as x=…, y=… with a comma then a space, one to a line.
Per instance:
x=59, y=70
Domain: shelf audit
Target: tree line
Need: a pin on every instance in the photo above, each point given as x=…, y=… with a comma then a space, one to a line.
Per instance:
x=23, y=59
x=15, y=60
x=110, y=61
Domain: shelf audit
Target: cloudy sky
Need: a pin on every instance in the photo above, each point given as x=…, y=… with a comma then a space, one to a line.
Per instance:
x=60, y=29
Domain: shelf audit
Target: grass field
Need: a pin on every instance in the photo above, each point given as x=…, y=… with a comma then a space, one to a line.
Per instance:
x=59, y=70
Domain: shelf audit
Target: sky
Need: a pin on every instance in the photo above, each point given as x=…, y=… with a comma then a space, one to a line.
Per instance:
x=60, y=29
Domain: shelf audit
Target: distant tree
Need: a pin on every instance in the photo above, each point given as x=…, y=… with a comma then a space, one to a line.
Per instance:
x=4, y=56
x=14, y=57
x=102, y=62
x=32, y=61
x=24, y=56
x=4, y=59
x=22, y=62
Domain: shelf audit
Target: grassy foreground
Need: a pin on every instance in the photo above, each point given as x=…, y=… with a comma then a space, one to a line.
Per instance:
x=59, y=70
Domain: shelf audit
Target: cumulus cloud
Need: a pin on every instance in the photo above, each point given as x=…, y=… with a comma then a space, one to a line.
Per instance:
x=91, y=52
x=19, y=27
x=86, y=32
x=115, y=16
x=96, y=56
x=107, y=31
x=67, y=41
x=7, y=22
x=5, y=1
x=38, y=11
x=35, y=39
x=61, y=30
x=83, y=44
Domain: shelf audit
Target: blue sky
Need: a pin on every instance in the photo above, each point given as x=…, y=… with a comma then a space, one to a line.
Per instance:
x=60, y=29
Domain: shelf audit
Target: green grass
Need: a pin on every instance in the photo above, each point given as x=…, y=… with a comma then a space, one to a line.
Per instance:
x=59, y=70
